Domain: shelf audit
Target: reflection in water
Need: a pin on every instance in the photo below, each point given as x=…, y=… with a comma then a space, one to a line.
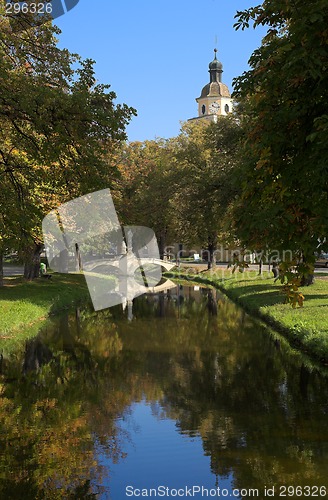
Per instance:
x=190, y=391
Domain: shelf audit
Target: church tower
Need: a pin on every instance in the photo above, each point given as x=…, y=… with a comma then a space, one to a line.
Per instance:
x=215, y=99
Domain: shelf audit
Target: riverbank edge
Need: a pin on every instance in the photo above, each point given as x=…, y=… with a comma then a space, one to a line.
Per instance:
x=318, y=352
x=26, y=306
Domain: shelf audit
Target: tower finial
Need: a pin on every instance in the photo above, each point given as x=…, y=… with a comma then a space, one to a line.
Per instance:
x=215, y=46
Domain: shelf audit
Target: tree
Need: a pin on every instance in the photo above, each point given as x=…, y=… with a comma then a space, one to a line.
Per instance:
x=56, y=126
x=145, y=187
x=206, y=156
x=283, y=100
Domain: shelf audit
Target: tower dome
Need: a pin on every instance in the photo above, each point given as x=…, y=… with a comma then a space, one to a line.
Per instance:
x=215, y=87
x=215, y=65
x=215, y=98
x=215, y=69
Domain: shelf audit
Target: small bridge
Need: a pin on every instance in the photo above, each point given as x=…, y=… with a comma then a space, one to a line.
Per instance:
x=125, y=287
x=127, y=263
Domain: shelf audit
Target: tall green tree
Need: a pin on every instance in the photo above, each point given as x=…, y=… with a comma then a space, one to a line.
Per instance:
x=206, y=156
x=284, y=105
x=57, y=126
x=146, y=186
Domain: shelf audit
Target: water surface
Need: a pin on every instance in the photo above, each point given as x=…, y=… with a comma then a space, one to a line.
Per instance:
x=180, y=390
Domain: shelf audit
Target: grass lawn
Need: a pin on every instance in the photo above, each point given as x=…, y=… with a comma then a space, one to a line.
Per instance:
x=306, y=327
x=23, y=305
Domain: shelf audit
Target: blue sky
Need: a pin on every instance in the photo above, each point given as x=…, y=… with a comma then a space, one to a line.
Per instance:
x=155, y=53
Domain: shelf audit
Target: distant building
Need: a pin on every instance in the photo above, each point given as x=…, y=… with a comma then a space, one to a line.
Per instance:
x=215, y=98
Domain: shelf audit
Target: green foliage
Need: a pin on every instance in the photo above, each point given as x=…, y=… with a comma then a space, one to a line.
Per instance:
x=206, y=158
x=145, y=187
x=283, y=104
x=291, y=275
x=285, y=101
x=56, y=124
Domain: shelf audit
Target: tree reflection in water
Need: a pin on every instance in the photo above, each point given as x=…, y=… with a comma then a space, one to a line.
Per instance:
x=259, y=408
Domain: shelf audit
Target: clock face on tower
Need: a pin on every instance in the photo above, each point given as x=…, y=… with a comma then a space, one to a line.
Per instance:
x=214, y=107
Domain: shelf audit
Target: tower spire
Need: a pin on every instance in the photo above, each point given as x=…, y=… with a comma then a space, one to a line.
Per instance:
x=215, y=99
x=215, y=69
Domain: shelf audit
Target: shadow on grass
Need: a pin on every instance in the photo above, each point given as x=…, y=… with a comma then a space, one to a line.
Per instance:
x=54, y=293
x=259, y=295
x=269, y=294
x=323, y=296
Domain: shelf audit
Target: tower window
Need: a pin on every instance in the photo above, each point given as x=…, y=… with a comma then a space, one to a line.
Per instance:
x=203, y=109
x=226, y=108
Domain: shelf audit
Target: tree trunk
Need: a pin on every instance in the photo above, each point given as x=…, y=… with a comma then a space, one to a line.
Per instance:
x=78, y=258
x=62, y=264
x=32, y=263
x=307, y=279
x=1, y=269
x=260, y=266
x=162, y=244
x=211, y=260
x=78, y=320
x=304, y=381
x=36, y=355
x=161, y=304
x=212, y=304
x=275, y=270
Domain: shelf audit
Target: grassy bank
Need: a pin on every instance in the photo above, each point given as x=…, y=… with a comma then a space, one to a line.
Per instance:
x=24, y=305
x=305, y=327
